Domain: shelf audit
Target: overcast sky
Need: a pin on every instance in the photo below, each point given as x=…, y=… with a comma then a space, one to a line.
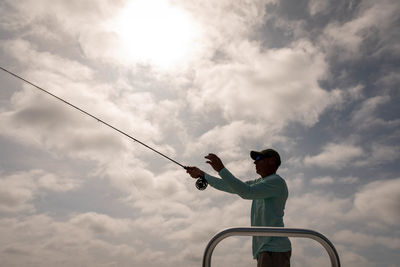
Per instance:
x=317, y=80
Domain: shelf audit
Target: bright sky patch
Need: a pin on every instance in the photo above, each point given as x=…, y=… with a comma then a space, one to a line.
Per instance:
x=155, y=32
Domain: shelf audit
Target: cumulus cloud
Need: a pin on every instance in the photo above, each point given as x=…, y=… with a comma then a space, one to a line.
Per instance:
x=366, y=116
x=39, y=114
x=227, y=138
x=365, y=240
x=17, y=191
x=379, y=154
x=326, y=180
x=16, y=194
x=372, y=19
x=374, y=207
x=239, y=20
x=72, y=18
x=54, y=183
x=28, y=55
x=314, y=210
x=335, y=155
x=389, y=80
x=45, y=124
x=322, y=180
x=379, y=201
x=54, y=242
x=106, y=31
x=255, y=84
x=100, y=223
x=316, y=6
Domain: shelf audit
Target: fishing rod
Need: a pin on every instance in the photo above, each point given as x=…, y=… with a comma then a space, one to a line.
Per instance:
x=201, y=183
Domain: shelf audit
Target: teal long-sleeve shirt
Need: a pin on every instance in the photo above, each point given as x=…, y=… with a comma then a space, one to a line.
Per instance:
x=269, y=195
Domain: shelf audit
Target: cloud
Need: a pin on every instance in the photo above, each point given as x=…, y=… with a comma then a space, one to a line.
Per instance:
x=354, y=259
x=318, y=6
x=372, y=20
x=335, y=156
x=16, y=193
x=18, y=190
x=112, y=32
x=366, y=116
x=54, y=242
x=389, y=80
x=28, y=55
x=273, y=86
x=58, y=184
x=322, y=180
x=379, y=201
x=39, y=114
x=45, y=124
x=73, y=17
x=100, y=223
x=365, y=240
x=379, y=154
x=327, y=180
x=371, y=212
x=240, y=18
x=227, y=138
x=316, y=210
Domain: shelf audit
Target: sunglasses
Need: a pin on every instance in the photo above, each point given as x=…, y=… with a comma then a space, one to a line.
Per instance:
x=259, y=157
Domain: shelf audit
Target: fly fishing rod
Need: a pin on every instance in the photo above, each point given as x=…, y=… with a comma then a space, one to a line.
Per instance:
x=201, y=183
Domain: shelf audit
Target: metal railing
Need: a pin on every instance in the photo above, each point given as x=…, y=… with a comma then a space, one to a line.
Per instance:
x=271, y=231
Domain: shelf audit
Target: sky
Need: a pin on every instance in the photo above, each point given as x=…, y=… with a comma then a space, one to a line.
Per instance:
x=316, y=80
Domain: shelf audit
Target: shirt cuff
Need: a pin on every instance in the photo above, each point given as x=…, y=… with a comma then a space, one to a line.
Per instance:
x=223, y=171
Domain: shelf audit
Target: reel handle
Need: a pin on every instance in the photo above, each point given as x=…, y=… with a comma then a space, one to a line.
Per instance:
x=201, y=183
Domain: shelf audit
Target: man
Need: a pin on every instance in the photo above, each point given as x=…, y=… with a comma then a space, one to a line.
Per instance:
x=269, y=194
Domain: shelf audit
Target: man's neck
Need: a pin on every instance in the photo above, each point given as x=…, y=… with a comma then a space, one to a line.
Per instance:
x=267, y=174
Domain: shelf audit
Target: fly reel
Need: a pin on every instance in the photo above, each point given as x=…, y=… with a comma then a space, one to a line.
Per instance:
x=201, y=183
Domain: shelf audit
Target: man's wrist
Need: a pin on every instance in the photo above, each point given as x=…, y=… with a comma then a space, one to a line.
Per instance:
x=223, y=167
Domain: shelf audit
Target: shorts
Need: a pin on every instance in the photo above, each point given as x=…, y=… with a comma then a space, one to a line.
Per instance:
x=274, y=259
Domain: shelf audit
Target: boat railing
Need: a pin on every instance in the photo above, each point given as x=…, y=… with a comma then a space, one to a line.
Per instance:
x=271, y=231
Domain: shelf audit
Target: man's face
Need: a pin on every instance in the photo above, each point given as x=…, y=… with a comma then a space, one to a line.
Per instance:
x=265, y=166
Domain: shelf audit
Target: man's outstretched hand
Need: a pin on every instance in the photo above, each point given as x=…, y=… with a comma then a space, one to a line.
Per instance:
x=215, y=162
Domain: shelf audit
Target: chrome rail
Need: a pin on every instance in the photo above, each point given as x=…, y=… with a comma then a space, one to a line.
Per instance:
x=271, y=231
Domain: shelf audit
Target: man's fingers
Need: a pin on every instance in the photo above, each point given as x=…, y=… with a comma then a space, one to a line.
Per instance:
x=210, y=156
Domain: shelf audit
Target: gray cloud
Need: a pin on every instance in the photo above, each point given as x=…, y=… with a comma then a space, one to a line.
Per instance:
x=335, y=155
x=385, y=207
x=20, y=189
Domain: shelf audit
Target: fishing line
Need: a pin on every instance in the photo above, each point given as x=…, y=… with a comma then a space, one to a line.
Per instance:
x=201, y=183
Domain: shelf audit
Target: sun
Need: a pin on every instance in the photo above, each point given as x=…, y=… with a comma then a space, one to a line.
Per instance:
x=157, y=33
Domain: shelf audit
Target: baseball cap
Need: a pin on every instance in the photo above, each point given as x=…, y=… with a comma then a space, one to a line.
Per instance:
x=267, y=153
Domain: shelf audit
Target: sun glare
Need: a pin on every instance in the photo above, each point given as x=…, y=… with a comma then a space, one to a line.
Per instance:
x=155, y=32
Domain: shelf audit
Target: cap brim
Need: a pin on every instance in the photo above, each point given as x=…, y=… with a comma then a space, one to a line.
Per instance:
x=255, y=154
